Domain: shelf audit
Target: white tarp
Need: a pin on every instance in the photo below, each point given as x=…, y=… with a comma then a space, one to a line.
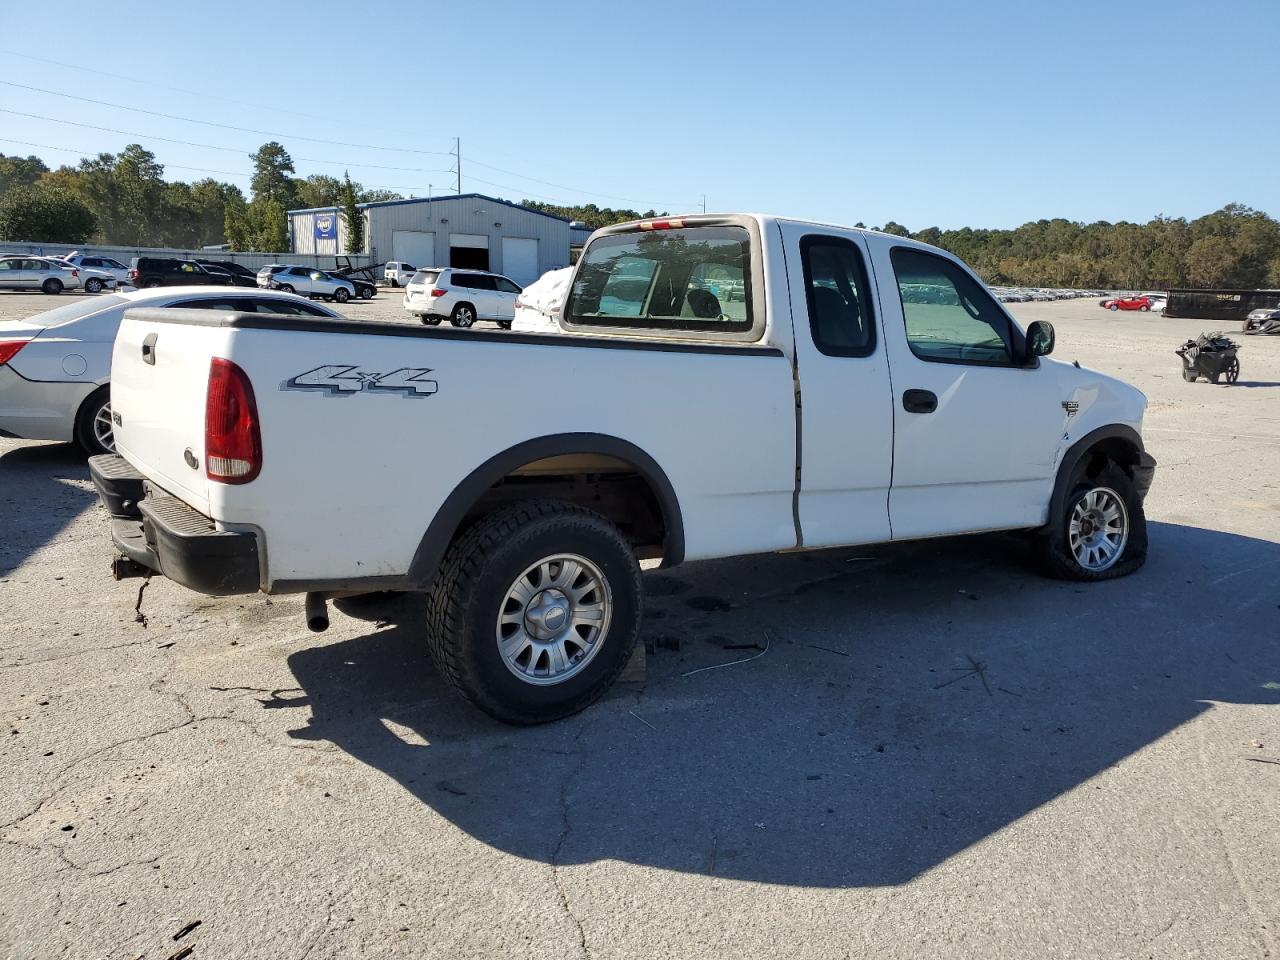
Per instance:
x=539, y=304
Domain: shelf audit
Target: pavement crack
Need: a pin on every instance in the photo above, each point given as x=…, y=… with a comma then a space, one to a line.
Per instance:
x=566, y=828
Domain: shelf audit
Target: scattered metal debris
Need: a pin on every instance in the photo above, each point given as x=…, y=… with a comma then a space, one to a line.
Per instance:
x=642, y=720
x=817, y=646
x=138, y=615
x=768, y=641
x=976, y=668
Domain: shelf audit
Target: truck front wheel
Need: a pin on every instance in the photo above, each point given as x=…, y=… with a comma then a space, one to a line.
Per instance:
x=535, y=610
x=1101, y=532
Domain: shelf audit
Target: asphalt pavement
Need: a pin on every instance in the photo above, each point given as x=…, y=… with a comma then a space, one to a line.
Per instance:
x=929, y=750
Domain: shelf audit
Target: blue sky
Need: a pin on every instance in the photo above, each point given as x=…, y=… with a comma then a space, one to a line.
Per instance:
x=986, y=113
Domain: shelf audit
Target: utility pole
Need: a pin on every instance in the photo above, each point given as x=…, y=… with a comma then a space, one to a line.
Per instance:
x=704, y=203
x=457, y=157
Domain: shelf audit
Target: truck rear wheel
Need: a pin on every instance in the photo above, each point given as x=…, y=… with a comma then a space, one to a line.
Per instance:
x=535, y=610
x=1101, y=532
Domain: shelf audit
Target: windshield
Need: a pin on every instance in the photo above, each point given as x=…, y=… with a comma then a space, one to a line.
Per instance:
x=75, y=310
x=695, y=278
x=425, y=277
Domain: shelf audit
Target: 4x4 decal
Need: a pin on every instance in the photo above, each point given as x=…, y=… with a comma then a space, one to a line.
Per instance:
x=345, y=380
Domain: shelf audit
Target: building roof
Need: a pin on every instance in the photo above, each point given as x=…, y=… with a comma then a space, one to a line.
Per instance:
x=437, y=199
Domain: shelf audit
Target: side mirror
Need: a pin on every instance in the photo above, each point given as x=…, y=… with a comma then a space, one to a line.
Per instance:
x=1040, y=339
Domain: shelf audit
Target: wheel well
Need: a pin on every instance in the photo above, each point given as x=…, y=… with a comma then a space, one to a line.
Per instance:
x=609, y=485
x=1118, y=450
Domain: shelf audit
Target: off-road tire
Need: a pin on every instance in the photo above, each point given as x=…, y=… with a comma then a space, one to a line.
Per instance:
x=1051, y=543
x=472, y=583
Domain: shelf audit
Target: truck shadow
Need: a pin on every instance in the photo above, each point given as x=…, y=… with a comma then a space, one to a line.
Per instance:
x=911, y=701
x=37, y=502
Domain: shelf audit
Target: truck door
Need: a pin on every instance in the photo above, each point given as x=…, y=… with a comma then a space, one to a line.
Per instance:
x=976, y=429
x=846, y=429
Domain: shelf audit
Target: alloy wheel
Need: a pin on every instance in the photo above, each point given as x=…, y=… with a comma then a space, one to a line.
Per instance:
x=1098, y=529
x=553, y=619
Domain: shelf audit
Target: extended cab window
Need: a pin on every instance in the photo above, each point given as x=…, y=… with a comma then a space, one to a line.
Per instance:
x=695, y=278
x=836, y=287
x=949, y=317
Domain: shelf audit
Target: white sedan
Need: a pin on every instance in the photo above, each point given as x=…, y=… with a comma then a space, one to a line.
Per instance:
x=55, y=368
x=94, y=261
x=91, y=278
x=37, y=273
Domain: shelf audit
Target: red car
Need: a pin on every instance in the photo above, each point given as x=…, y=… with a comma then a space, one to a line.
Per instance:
x=1127, y=303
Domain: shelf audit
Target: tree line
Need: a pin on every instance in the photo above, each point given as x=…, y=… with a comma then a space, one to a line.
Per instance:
x=123, y=199
x=1232, y=247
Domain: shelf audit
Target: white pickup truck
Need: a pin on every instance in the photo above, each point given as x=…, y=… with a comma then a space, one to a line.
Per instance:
x=723, y=385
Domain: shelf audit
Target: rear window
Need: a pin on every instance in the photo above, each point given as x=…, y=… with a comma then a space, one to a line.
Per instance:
x=696, y=278
x=426, y=277
x=74, y=310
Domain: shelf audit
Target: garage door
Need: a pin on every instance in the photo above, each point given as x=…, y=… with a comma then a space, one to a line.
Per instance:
x=520, y=260
x=414, y=246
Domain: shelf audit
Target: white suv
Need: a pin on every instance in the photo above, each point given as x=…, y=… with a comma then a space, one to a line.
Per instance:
x=461, y=296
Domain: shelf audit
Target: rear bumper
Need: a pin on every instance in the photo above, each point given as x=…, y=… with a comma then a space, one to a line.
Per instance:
x=165, y=535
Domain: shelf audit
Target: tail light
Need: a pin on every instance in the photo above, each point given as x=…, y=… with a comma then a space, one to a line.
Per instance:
x=232, y=439
x=133, y=274
x=10, y=348
x=74, y=274
x=673, y=224
x=438, y=291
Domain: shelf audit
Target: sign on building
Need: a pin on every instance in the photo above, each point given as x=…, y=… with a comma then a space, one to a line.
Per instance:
x=326, y=226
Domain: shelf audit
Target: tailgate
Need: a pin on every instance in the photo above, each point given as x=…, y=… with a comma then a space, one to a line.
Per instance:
x=159, y=375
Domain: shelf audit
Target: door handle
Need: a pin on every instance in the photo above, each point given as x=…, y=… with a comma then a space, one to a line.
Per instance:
x=919, y=401
x=149, y=348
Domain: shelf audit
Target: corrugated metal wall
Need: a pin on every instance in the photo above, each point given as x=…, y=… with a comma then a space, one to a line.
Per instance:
x=303, y=231
x=443, y=216
x=469, y=215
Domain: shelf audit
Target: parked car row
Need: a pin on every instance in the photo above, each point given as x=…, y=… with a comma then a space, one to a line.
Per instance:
x=1039, y=294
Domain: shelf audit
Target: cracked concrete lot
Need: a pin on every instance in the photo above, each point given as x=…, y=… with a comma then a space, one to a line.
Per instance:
x=940, y=754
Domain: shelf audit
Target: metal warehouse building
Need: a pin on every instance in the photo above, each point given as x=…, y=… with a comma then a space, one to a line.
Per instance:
x=463, y=230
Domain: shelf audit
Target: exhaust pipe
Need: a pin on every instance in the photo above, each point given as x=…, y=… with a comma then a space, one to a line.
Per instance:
x=316, y=607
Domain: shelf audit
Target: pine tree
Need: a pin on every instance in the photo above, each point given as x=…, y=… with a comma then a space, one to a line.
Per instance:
x=351, y=215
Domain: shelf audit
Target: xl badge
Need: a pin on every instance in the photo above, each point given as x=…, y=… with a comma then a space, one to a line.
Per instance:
x=344, y=380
